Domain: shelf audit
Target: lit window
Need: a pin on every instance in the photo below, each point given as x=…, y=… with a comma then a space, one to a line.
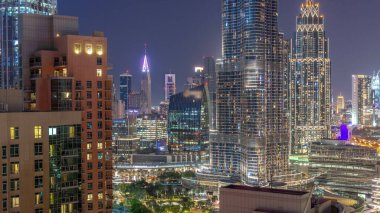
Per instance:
x=89, y=156
x=14, y=133
x=77, y=48
x=89, y=197
x=15, y=168
x=51, y=198
x=15, y=202
x=89, y=145
x=37, y=132
x=52, y=131
x=100, y=196
x=89, y=49
x=99, y=49
x=71, y=132
x=100, y=145
x=100, y=155
x=99, y=72
x=39, y=198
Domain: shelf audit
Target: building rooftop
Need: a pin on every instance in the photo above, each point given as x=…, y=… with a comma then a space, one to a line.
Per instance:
x=268, y=190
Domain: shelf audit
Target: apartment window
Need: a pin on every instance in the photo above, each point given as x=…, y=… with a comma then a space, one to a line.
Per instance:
x=37, y=132
x=89, y=135
x=100, y=165
x=38, y=182
x=99, y=72
x=99, y=61
x=38, y=166
x=89, y=49
x=89, y=156
x=39, y=198
x=89, y=146
x=90, y=206
x=100, y=175
x=89, y=176
x=89, y=197
x=100, y=135
x=52, y=131
x=14, y=150
x=89, y=104
x=15, y=184
x=99, y=95
x=100, y=145
x=89, y=95
x=100, y=196
x=71, y=132
x=78, y=84
x=99, y=49
x=89, y=165
x=38, y=211
x=100, y=104
x=38, y=149
x=14, y=133
x=100, y=125
x=15, y=202
x=15, y=168
x=89, y=115
x=89, y=186
x=100, y=205
x=100, y=155
x=100, y=185
x=77, y=48
x=99, y=84
x=4, y=187
x=4, y=169
x=89, y=84
x=89, y=125
x=5, y=203
x=4, y=152
x=100, y=115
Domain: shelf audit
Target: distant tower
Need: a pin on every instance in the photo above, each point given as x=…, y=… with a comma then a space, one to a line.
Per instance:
x=170, y=87
x=310, y=80
x=339, y=103
x=125, y=87
x=146, y=87
x=361, y=90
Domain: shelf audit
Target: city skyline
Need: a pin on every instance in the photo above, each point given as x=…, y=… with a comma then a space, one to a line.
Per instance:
x=180, y=55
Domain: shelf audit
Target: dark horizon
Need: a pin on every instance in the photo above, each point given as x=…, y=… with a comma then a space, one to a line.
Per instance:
x=179, y=34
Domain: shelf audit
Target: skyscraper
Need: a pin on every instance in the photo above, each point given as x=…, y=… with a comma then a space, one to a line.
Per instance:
x=251, y=139
x=375, y=98
x=361, y=94
x=309, y=80
x=146, y=87
x=125, y=87
x=210, y=78
x=339, y=103
x=170, y=87
x=11, y=72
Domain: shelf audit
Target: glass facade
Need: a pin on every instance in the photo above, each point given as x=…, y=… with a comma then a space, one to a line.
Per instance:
x=188, y=123
x=10, y=68
x=310, y=80
x=152, y=131
x=61, y=95
x=252, y=138
x=125, y=88
x=361, y=100
x=65, y=168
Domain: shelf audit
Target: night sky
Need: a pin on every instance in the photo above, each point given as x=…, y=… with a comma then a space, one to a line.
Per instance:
x=180, y=32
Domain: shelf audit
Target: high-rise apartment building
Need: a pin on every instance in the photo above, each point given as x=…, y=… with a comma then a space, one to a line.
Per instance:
x=339, y=104
x=170, y=88
x=11, y=72
x=40, y=159
x=70, y=74
x=251, y=140
x=309, y=80
x=146, y=87
x=125, y=87
x=361, y=99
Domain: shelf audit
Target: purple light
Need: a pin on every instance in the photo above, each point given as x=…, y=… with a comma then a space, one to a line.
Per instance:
x=344, y=132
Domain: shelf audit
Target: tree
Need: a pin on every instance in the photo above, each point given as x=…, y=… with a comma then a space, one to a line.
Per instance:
x=138, y=207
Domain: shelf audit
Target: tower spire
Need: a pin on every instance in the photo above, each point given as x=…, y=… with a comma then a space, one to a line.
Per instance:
x=145, y=67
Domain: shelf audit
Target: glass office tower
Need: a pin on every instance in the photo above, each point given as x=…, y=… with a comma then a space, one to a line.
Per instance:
x=125, y=88
x=310, y=80
x=251, y=140
x=10, y=63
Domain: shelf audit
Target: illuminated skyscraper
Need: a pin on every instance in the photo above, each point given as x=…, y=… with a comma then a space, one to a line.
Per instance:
x=310, y=80
x=361, y=92
x=251, y=140
x=125, y=88
x=10, y=63
x=339, y=103
x=375, y=98
x=146, y=88
x=169, y=86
